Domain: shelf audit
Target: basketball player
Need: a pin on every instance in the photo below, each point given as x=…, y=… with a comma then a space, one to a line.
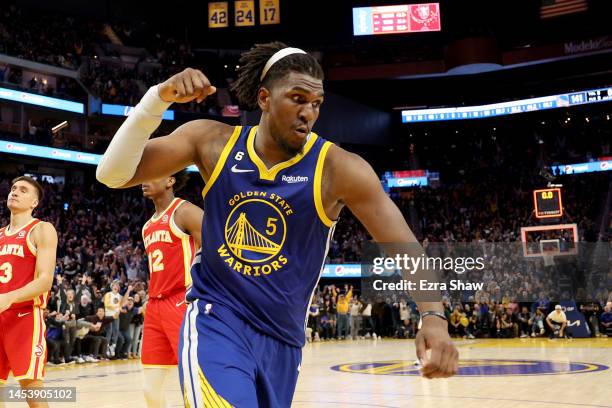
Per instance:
x=171, y=238
x=272, y=197
x=27, y=260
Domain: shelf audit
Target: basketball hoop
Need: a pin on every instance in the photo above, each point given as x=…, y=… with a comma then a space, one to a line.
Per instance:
x=549, y=248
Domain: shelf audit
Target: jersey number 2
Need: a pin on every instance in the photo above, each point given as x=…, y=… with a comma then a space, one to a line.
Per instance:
x=156, y=261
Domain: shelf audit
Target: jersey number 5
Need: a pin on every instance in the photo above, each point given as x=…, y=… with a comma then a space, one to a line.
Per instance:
x=6, y=272
x=156, y=261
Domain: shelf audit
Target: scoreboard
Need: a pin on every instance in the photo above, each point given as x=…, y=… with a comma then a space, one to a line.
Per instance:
x=547, y=203
x=399, y=19
x=595, y=95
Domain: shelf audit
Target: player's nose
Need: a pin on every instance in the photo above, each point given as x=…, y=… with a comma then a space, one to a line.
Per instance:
x=307, y=114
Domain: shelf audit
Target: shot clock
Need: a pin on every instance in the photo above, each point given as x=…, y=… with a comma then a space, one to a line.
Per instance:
x=547, y=203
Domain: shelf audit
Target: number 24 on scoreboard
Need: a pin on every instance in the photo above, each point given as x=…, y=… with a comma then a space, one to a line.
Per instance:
x=244, y=13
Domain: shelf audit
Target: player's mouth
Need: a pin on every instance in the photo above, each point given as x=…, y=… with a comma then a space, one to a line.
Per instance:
x=12, y=200
x=301, y=131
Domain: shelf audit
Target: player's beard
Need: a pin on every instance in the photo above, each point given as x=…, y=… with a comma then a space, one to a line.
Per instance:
x=286, y=147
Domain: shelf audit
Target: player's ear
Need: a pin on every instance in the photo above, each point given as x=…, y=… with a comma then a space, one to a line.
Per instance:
x=35, y=203
x=171, y=181
x=263, y=99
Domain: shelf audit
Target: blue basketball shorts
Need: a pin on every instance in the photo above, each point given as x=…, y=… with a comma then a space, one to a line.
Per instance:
x=224, y=361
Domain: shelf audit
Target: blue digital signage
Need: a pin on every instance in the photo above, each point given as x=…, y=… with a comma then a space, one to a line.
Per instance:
x=7, y=146
x=41, y=100
x=123, y=110
x=508, y=108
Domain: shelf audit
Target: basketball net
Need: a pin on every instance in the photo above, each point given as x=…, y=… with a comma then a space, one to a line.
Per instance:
x=548, y=259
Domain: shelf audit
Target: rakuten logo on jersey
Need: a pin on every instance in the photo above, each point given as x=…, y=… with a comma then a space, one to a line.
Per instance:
x=294, y=179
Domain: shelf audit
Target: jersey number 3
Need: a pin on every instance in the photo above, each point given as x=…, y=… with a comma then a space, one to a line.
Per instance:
x=6, y=272
x=156, y=259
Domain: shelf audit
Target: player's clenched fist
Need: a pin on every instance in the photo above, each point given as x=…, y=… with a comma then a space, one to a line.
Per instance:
x=186, y=86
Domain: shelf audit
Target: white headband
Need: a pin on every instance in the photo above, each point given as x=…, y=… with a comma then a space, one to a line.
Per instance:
x=278, y=55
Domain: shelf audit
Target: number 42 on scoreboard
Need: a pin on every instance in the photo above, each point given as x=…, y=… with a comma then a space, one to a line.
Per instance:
x=217, y=14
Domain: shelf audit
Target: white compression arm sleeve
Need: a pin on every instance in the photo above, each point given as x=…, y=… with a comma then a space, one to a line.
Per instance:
x=120, y=161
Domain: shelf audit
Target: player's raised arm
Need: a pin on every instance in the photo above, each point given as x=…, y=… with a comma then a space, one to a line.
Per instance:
x=357, y=186
x=131, y=158
x=44, y=237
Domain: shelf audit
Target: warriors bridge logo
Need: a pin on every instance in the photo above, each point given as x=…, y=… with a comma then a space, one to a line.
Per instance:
x=255, y=233
x=477, y=368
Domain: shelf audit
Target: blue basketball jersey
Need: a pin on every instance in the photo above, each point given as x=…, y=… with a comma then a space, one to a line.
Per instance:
x=265, y=236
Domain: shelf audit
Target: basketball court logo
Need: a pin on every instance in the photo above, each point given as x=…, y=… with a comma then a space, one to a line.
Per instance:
x=255, y=230
x=477, y=368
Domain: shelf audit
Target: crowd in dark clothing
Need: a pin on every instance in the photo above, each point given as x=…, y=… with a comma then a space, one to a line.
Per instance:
x=47, y=38
x=74, y=43
x=398, y=317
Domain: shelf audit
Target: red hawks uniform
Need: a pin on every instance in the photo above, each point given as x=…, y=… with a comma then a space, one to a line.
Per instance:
x=23, y=349
x=170, y=252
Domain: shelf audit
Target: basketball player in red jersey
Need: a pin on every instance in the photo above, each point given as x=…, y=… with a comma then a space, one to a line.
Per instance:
x=171, y=238
x=27, y=260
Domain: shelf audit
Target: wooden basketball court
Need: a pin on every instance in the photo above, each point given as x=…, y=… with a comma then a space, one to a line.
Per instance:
x=494, y=373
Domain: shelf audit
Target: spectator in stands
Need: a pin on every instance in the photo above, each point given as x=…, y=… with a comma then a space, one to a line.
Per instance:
x=112, y=308
x=136, y=327
x=342, y=310
x=455, y=326
x=313, y=320
x=54, y=337
x=96, y=338
x=605, y=321
x=473, y=329
x=504, y=324
x=591, y=311
x=366, y=319
x=128, y=311
x=68, y=313
x=523, y=322
x=355, y=317
x=537, y=323
x=328, y=319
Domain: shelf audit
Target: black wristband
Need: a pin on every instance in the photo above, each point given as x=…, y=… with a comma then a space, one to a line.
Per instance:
x=431, y=313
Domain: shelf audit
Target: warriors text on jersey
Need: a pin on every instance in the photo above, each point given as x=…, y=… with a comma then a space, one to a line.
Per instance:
x=170, y=252
x=18, y=262
x=264, y=237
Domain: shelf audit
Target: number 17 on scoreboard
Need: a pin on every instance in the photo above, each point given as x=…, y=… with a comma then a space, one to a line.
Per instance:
x=269, y=12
